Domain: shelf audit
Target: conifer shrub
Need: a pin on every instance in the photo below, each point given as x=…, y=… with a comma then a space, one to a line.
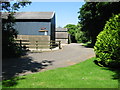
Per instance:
x=107, y=46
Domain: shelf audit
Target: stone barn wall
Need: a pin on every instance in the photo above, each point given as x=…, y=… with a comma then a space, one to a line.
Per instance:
x=62, y=35
x=43, y=41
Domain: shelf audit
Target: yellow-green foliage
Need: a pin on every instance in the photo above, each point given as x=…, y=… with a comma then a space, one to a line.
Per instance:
x=107, y=46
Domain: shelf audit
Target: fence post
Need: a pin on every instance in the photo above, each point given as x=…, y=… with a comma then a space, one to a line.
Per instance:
x=20, y=44
x=51, y=44
x=69, y=40
x=59, y=45
x=36, y=45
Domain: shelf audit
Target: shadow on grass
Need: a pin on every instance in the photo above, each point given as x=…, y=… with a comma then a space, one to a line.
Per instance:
x=11, y=82
x=20, y=66
x=116, y=76
x=88, y=45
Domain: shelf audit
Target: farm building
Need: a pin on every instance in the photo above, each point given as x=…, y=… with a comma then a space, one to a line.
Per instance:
x=62, y=35
x=38, y=26
x=35, y=24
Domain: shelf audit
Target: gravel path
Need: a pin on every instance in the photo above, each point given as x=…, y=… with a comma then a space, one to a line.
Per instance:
x=34, y=62
x=69, y=55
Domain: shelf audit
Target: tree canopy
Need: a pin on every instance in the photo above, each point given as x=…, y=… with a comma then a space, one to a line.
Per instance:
x=93, y=16
x=9, y=33
x=7, y=6
x=72, y=31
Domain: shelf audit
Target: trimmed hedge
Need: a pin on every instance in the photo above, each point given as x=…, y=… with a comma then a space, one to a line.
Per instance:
x=107, y=46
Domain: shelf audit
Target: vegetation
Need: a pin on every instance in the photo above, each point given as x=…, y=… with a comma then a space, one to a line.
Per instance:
x=80, y=36
x=71, y=30
x=88, y=44
x=107, y=47
x=93, y=16
x=76, y=34
x=9, y=33
x=76, y=76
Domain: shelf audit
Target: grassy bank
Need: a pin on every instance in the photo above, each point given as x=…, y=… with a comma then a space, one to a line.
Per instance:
x=83, y=75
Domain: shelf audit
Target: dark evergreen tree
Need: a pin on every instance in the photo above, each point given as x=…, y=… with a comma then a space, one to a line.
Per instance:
x=93, y=16
x=9, y=33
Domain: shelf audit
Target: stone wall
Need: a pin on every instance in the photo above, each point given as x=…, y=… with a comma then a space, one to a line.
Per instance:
x=62, y=35
x=63, y=41
x=42, y=41
x=33, y=38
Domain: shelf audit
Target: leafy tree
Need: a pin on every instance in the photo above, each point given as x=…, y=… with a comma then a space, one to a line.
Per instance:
x=93, y=16
x=9, y=47
x=107, y=46
x=7, y=6
x=80, y=36
x=72, y=31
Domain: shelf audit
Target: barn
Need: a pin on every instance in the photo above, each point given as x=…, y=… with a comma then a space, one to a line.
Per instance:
x=62, y=35
x=39, y=25
x=35, y=24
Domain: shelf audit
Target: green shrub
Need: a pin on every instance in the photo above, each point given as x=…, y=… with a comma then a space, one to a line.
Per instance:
x=107, y=46
x=80, y=36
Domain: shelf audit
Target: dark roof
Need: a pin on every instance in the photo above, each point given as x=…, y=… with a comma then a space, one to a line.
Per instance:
x=61, y=29
x=31, y=15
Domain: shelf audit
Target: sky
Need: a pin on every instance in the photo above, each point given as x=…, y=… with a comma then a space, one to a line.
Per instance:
x=66, y=12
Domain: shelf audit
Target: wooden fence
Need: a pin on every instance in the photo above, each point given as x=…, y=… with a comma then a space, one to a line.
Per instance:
x=26, y=44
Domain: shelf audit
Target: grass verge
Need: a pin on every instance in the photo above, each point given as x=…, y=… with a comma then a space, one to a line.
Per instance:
x=88, y=44
x=83, y=75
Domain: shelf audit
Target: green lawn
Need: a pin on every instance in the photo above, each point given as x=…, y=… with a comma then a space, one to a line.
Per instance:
x=83, y=75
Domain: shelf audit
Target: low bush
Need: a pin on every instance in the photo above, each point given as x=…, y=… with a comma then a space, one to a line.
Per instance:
x=107, y=46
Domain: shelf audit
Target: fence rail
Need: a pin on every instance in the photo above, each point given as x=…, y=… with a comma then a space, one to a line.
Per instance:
x=26, y=44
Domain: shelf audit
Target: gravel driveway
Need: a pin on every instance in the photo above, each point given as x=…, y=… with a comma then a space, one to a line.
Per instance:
x=69, y=55
x=34, y=62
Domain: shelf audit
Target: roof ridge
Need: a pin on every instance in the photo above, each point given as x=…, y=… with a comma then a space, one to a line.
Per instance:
x=34, y=15
x=53, y=14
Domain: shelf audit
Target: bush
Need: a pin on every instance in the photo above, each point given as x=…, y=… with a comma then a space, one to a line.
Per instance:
x=107, y=46
x=80, y=36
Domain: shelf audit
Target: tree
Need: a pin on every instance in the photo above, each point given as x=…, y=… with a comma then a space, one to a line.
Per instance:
x=93, y=16
x=71, y=30
x=9, y=47
x=80, y=36
x=107, y=46
x=7, y=6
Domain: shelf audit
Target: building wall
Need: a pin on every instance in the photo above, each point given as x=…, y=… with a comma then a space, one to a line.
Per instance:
x=42, y=40
x=53, y=26
x=63, y=41
x=33, y=38
x=31, y=28
x=62, y=35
